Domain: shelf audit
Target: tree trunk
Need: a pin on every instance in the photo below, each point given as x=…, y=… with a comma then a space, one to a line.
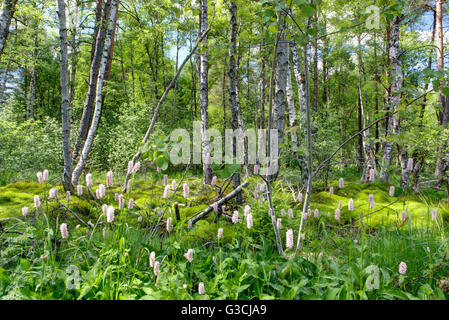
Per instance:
x=65, y=95
x=394, y=103
x=315, y=67
x=443, y=116
x=263, y=86
x=101, y=27
x=367, y=152
x=9, y=6
x=99, y=90
x=234, y=104
x=280, y=92
x=203, y=91
x=291, y=108
x=31, y=100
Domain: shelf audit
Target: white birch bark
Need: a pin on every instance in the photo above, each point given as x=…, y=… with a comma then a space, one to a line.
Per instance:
x=65, y=96
x=8, y=8
x=203, y=94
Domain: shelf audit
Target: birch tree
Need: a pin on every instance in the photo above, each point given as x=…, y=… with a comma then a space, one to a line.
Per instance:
x=234, y=104
x=394, y=101
x=65, y=95
x=203, y=94
x=8, y=9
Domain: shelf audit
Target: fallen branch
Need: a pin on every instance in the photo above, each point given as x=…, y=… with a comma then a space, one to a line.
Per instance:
x=225, y=199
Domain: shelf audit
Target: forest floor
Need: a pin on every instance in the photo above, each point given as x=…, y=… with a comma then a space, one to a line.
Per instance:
x=334, y=262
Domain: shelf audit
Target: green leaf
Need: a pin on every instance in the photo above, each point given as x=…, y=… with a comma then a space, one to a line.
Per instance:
x=445, y=91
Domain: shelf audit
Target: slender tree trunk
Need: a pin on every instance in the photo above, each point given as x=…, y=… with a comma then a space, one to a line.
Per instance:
x=315, y=67
x=418, y=154
x=99, y=92
x=263, y=86
x=234, y=104
x=8, y=8
x=203, y=70
x=280, y=92
x=5, y=73
x=300, y=78
x=65, y=95
x=394, y=103
x=31, y=101
x=291, y=109
x=367, y=152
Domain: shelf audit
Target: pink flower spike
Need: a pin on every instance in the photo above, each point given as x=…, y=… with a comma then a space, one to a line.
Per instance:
x=121, y=201
x=130, y=167
x=434, y=214
x=186, y=190
x=109, y=179
x=331, y=191
x=299, y=198
x=201, y=288
x=402, y=268
x=371, y=174
x=152, y=258
x=256, y=169
x=189, y=255
x=166, y=192
x=79, y=190
x=67, y=195
x=136, y=167
x=169, y=224
x=316, y=213
x=159, y=170
x=283, y=212
x=110, y=214
x=370, y=197
x=279, y=223
x=37, y=202
x=45, y=175
x=130, y=203
x=351, y=205
x=290, y=213
x=40, y=177
x=340, y=204
x=165, y=179
x=249, y=221
x=403, y=216
x=63, y=229
x=289, y=239
x=220, y=233
x=341, y=183
x=337, y=214
x=247, y=210
x=104, y=209
x=24, y=211
x=102, y=190
x=173, y=185
x=235, y=217
x=256, y=194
